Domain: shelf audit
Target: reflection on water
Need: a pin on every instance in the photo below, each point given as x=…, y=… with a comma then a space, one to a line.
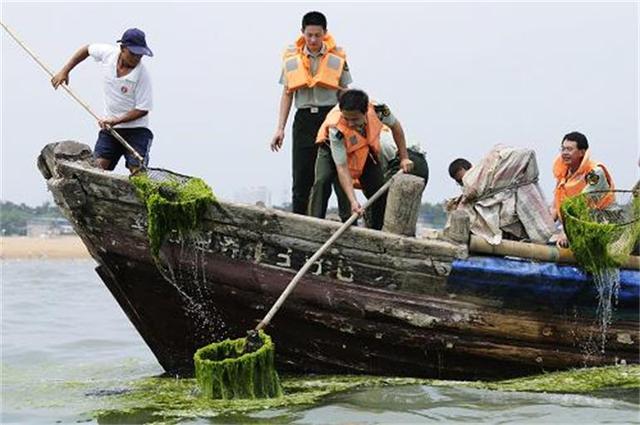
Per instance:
x=69, y=354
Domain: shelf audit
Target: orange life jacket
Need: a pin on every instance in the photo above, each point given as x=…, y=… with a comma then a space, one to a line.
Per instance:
x=297, y=66
x=357, y=145
x=574, y=184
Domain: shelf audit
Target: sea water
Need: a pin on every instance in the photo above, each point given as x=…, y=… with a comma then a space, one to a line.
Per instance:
x=70, y=355
x=607, y=283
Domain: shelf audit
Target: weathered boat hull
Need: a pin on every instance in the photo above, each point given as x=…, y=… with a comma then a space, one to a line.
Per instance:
x=376, y=303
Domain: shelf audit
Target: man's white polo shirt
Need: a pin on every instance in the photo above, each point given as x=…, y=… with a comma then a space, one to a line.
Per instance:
x=121, y=95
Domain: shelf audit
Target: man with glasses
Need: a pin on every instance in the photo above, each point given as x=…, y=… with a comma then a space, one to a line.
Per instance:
x=128, y=97
x=575, y=173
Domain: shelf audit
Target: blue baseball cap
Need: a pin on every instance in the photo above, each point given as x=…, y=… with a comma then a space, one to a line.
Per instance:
x=134, y=40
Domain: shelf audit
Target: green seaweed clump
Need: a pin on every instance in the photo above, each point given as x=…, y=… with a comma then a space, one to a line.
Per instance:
x=598, y=246
x=172, y=205
x=225, y=371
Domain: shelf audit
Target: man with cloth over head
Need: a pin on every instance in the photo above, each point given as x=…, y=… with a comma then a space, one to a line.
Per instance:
x=313, y=70
x=127, y=97
x=501, y=196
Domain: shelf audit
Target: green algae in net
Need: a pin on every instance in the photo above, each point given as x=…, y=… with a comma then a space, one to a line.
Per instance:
x=601, y=239
x=172, y=205
x=225, y=371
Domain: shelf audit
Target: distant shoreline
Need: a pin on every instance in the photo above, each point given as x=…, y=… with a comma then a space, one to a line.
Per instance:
x=56, y=247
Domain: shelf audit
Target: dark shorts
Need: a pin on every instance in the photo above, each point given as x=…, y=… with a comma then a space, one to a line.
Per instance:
x=108, y=147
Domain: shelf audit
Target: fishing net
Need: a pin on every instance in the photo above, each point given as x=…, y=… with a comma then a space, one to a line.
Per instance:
x=231, y=370
x=602, y=238
x=161, y=175
x=174, y=203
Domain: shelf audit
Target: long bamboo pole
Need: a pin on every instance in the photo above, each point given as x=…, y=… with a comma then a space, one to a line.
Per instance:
x=535, y=252
x=294, y=282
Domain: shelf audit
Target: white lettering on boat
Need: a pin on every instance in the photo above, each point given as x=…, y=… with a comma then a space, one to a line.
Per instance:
x=286, y=257
x=342, y=268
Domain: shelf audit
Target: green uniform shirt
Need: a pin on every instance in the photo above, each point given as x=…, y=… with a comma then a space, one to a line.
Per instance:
x=317, y=96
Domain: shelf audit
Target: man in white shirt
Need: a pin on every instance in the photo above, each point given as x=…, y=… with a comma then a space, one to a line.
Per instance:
x=127, y=97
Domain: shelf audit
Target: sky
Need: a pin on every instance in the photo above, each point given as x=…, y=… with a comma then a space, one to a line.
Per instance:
x=460, y=77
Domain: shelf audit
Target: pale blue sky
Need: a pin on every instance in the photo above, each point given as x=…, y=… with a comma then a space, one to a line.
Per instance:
x=459, y=76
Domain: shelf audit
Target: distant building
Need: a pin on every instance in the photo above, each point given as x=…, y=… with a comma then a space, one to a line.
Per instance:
x=253, y=195
x=39, y=227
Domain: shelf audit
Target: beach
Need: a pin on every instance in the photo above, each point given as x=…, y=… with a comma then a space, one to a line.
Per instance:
x=56, y=247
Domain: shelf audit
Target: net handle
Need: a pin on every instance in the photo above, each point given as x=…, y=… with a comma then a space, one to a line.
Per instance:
x=290, y=287
x=609, y=190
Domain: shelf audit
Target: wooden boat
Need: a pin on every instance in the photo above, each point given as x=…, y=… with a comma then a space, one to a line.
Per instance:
x=376, y=303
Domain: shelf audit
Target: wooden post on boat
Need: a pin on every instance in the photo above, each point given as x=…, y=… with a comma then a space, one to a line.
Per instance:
x=459, y=227
x=403, y=205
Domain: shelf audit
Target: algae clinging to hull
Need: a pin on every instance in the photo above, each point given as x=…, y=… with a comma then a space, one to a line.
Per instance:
x=172, y=206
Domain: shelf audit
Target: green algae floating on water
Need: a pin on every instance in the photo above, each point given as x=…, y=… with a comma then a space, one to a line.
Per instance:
x=172, y=206
x=225, y=371
x=576, y=381
x=170, y=400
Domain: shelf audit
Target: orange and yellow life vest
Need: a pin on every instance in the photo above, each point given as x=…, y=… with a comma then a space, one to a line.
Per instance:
x=357, y=145
x=296, y=66
x=574, y=184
